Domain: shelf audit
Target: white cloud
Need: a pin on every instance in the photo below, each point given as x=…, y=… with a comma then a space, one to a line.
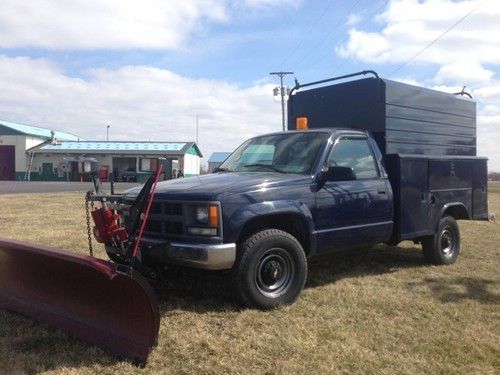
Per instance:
x=488, y=133
x=488, y=138
x=490, y=93
x=272, y=3
x=407, y=26
x=410, y=25
x=353, y=19
x=139, y=102
x=114, y=24
x=111, y=24
x=143, y=103
x=468, y=72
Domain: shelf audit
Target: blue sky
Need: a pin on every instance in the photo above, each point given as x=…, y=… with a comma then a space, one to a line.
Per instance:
x=148, y=68
x=285, y=35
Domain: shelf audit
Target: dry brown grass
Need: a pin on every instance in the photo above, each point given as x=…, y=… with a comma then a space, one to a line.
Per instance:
x=373, y=311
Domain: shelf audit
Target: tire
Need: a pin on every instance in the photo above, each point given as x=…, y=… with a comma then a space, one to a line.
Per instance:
x=270, y=270
x=444, y=246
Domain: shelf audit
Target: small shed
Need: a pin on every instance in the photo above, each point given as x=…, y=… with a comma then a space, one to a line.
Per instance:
x=216, y=159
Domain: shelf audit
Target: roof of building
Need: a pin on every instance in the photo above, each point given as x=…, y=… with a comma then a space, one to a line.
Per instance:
x=218, y=157
x=14, y=128
x=97, y=147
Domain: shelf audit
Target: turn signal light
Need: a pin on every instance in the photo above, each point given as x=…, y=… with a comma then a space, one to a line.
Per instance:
x=301, y=123
x=213, y=216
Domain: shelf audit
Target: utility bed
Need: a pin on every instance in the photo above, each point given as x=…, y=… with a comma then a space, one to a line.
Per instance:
x=424, y=186
x=427, y=138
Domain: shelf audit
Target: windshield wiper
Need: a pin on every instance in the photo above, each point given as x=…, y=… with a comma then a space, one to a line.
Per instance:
x=269, y=166
x=220, y=169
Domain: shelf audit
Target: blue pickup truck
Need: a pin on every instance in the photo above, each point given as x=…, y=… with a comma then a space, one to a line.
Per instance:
x=374, y=161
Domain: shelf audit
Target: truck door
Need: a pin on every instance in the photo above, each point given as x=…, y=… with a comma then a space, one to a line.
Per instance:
x=355, y=212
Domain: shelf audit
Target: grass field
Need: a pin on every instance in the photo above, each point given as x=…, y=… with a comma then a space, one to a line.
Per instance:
x=380, y=311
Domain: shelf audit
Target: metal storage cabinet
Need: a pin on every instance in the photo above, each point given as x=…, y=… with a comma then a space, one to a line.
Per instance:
x=403, y=119
x=410, y=184
x=423, y=185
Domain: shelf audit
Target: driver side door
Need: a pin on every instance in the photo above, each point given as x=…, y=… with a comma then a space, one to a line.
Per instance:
x=353, y=212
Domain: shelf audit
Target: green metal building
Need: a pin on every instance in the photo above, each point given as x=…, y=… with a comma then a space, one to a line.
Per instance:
x=33, y=153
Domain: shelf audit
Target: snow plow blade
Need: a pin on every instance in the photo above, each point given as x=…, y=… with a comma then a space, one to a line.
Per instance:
x=82, y=295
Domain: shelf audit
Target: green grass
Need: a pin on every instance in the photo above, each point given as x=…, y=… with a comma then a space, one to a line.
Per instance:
x=380, y=311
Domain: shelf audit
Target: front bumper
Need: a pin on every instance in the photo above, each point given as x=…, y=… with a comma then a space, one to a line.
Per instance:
x=205, y=256
x=196, y=255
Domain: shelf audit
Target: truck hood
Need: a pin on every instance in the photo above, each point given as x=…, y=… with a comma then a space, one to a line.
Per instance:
x=211, y=186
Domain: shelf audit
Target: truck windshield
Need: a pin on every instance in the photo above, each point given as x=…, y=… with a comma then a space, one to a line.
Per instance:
x=283, y=153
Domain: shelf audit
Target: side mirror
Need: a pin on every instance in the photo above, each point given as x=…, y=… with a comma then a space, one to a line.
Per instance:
x=338, y=173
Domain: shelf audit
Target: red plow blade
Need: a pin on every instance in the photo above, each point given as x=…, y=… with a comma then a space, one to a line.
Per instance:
x=82, y=295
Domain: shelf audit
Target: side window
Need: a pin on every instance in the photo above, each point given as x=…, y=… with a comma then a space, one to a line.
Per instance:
x=354, y=153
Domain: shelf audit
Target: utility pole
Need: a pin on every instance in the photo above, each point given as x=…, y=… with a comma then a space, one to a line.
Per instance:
x=107, y=133
x=282, y=93
x=196, y=128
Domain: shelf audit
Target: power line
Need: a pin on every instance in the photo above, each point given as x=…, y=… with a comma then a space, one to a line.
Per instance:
x=334, y=29
x=435, y=40
x=306, y=34
x=320, y=59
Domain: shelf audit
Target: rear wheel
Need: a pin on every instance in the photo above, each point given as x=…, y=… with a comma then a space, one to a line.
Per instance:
x=444, y=246
x=271, y=269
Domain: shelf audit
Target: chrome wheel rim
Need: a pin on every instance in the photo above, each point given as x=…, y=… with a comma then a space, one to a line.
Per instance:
x=447, y=243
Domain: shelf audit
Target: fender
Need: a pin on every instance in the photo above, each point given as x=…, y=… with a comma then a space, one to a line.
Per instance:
x=241, y=217
x=453, y=205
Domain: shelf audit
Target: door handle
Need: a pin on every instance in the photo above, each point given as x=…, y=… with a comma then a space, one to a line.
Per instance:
x=433, y=199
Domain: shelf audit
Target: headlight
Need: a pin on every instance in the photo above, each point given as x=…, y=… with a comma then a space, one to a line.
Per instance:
x=201, y=214
x=204, y=220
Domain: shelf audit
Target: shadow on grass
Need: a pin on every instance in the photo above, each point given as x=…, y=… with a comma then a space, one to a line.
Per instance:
x=460, y=289
x=377, y=260
x=195, y=290
x=199, y=291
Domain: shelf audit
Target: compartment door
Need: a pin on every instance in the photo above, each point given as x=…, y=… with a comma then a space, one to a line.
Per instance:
x=414, y=198
x=479, y=189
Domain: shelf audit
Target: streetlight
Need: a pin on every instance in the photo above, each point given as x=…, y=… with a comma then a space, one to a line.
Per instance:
x=107, y=133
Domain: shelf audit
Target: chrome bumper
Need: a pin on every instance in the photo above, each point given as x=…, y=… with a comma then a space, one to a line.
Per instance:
x=205, y=256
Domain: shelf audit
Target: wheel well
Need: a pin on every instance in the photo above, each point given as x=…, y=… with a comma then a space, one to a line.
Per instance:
x=457, y=212
x=290, y=223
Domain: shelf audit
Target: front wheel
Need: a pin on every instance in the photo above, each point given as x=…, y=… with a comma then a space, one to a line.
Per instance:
x=271, y=269
x=444, y=246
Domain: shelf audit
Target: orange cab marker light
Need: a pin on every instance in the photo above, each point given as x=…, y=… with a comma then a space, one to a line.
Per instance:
x=301, y=123
x=213, y=216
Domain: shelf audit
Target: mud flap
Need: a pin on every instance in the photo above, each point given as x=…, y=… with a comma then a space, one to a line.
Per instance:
x=82, y=295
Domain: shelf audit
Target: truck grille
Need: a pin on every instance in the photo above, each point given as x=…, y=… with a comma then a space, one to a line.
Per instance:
x=165, y=220
x=168, y=220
